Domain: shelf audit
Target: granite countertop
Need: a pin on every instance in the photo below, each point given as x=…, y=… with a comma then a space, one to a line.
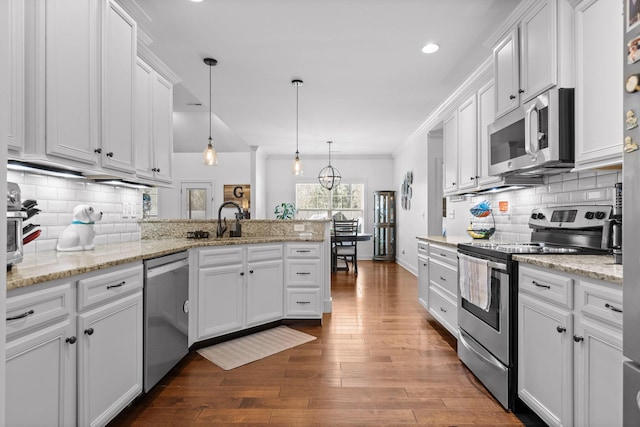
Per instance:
x=45, y=266
x=600, y=267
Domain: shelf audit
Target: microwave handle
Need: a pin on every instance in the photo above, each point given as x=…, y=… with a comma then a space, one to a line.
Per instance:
x=530, y=136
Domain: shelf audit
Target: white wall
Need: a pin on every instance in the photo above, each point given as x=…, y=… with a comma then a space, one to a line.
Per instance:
x=376, y=172
x=412, y=156
x=232, y=168
x=259, y=159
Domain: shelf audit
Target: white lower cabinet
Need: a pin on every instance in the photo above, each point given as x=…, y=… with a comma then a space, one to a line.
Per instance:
x=238, y=287
x=443, y=286
x=74, y=364
x=570, y=348
x=303, y=281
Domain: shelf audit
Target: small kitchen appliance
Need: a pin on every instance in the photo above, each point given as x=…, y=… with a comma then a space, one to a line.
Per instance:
x=15, y=216
x=612, y=233
x=487, y=341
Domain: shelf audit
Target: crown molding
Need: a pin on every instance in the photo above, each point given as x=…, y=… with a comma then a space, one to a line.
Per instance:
x=512, y=20
x=160, y=67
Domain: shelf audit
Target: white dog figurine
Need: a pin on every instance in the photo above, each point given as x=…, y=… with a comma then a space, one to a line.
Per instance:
x=79, y=235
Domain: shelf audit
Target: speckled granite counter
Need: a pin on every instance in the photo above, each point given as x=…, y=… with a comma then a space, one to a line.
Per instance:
x=599, y=267
x=45, y=266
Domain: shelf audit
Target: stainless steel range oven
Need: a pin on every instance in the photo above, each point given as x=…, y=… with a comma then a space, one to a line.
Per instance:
x=488, y=290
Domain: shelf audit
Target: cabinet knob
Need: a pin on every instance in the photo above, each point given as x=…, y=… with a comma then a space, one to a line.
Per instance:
x=251, y=271
x=512, y=97
x=443, y=310
x=110, y=154
x=98, y=150
x=157, y=169
x=561, y=329
x=242, y=273
x=520, y=90
x=71, y=340
x=89, y=331
x=453, y=183
x=577, y=338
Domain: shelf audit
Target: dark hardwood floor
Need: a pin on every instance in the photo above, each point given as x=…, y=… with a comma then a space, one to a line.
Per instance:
x=379, y=360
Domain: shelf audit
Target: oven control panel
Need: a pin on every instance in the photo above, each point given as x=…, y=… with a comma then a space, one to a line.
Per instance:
x=570, y=217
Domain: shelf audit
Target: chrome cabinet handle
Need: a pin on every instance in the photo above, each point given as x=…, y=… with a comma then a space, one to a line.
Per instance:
x=71, y=340
x=21, y=316
x=561, y=329
x=117, y=286
x=302, y=273
x=613, y=308
x=577, y=338
x=540, y=285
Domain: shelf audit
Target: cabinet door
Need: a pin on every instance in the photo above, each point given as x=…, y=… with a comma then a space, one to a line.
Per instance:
x=118, y=76
x=538, y=56
x=143, y=120
x=467, y=144
x=109, y=359
x=599, y=129
x=41, y=378
x=598, y=375
x=162, y=128
x=450, y=141
x=486, y=115
x=545, y=360
x=220, y=300
x=71, y=81
x=506, y=74
x=264, y=292
x=423, y=282
x=16, y=77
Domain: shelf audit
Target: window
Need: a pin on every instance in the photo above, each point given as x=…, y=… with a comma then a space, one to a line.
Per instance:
x=196, y=200
x=346, y=201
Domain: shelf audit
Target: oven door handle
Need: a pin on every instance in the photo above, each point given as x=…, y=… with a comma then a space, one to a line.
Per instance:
x=487, y=360
x=497, y=265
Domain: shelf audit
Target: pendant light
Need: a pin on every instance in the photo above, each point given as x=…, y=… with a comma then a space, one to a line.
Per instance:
x=329, y=176
x=209, y=156
x=297, y=165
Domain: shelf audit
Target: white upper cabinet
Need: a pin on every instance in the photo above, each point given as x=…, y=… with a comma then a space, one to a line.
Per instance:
x=450, y=141
x=119, y=40
x=153, y=128
x=599, y=110
x=535, y=55
x=467, y=144
x=486, y=114
x=69, y=32
x=15, y=98
x=505, y=62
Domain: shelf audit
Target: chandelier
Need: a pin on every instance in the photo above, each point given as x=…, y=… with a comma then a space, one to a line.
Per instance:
x=329, y=177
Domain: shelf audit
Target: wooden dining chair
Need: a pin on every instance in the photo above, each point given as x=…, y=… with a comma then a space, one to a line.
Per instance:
x=345, y=246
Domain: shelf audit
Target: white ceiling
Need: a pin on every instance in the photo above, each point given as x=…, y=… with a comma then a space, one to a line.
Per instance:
x=367, y=86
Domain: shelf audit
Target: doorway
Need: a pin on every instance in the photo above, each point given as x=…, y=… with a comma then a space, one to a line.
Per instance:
x=196, y=200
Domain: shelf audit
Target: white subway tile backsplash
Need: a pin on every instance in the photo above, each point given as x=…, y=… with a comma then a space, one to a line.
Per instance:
x=571, y=185
x=57, y=197
x=587, y=183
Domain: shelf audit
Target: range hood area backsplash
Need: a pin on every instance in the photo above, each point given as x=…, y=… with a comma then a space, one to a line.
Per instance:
x=121, y=208
x=563, y=189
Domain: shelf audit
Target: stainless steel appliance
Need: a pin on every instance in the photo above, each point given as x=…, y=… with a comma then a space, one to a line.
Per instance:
x=15, y=216
x=535, y=139
x=631, y=243
x=487, y=342
x=612, y=234
x=166, y=304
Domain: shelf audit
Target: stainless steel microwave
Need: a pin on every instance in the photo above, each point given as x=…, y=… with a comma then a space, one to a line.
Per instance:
x=536, y=139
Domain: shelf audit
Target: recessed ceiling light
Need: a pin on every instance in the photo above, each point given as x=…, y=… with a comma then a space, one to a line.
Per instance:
x=196, y=1
x=430, y=48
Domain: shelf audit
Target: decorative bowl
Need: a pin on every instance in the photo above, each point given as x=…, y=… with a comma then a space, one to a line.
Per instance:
x=481, y=233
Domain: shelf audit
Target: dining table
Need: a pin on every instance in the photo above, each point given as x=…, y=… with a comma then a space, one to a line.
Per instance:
x=361, y=237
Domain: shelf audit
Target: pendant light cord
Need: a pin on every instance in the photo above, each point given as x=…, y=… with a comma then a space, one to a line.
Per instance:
x=209, y=104
x=297, y=109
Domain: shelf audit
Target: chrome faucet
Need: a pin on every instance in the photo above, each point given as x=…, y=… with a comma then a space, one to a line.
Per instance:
x=222, y=223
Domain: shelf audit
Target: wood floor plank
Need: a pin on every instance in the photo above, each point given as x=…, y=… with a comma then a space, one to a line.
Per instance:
x=379, y=359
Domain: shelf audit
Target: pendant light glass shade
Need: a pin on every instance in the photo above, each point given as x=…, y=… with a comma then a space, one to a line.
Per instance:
x=329, y=177
x=209, y=155
x=297, y=164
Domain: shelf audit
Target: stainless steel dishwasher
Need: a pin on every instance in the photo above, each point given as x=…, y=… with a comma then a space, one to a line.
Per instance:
x=166, y=322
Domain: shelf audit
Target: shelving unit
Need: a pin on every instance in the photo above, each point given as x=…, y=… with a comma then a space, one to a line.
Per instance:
x=384, y=226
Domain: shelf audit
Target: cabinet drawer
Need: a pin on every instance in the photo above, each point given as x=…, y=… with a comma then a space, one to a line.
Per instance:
x=225, y=255
x=35, y=308
x=303, y=302
x=551, y=287
x=423, y=249
x=109, y=285
x=301, y=272
x=303, y=250
x=444, y=276
x=444, y=254
x=600, y=302
x=264, y=252
x=443, y=310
